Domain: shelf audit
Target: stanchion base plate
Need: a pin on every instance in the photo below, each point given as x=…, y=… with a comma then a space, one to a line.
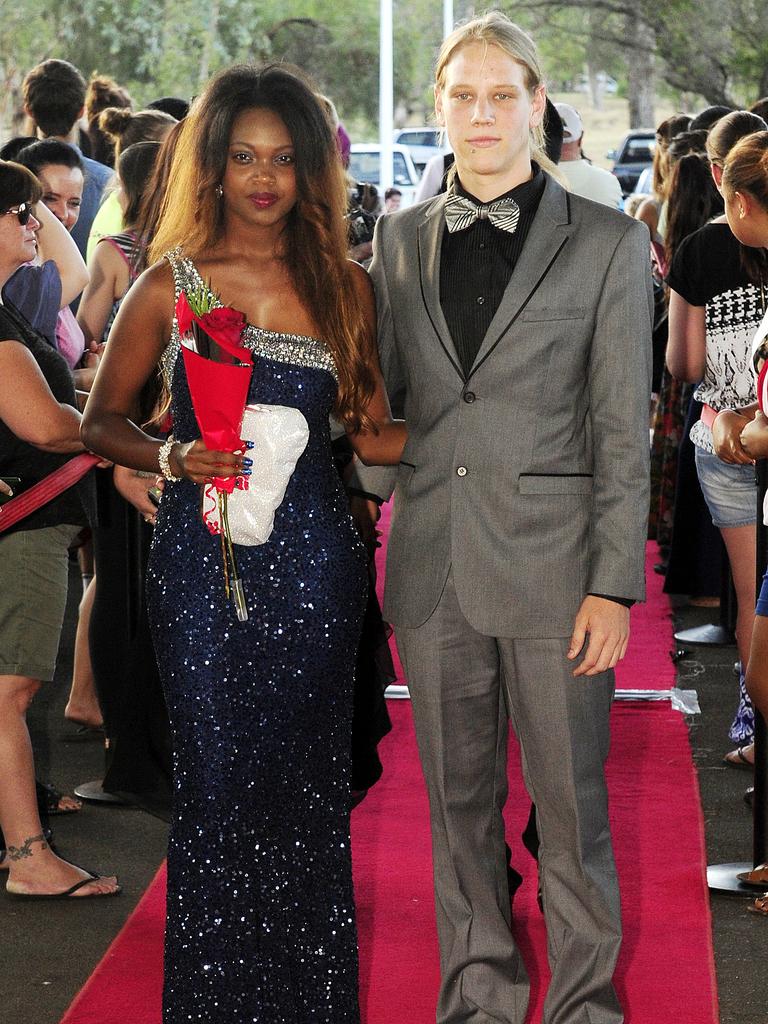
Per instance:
x=712, y=635
x=722, y=878
x=96, y=792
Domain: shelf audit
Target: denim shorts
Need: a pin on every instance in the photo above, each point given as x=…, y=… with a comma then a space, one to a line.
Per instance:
x=762, y=600
x=729, y=490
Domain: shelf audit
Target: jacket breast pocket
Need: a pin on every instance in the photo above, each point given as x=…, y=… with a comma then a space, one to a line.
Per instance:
x=555, y=483
x=533, y=315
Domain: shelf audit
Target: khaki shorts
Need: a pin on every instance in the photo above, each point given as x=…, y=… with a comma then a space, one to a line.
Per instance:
x=34, y=571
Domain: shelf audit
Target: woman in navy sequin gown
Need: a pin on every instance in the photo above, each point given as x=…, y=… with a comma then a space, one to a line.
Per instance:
x=260, y=906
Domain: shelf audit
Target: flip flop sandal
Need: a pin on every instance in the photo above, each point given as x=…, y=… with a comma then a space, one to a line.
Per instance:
x=49, y=800
x=757, y=876
x=68, y=893
x=760, y=905
x=738, y=759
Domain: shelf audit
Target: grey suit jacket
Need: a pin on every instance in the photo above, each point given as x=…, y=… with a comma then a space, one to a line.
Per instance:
x=531, y=476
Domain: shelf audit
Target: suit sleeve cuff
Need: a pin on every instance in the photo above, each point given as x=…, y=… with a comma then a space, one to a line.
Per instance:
x=627, y=602
x=356, y=492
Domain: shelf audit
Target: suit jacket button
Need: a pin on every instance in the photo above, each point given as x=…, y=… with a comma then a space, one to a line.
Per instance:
x=461, y=471
x=469, y=397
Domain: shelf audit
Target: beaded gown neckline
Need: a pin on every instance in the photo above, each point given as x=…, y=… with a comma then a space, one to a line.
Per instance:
x=282, y=346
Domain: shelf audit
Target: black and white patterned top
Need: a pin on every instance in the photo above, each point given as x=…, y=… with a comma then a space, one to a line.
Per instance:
x=707, y=271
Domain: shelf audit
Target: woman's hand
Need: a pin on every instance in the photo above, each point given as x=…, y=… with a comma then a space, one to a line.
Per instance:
x=754, y=437
x=85, y=374
x=134, y=486
x=195, y=462
x=726, y=437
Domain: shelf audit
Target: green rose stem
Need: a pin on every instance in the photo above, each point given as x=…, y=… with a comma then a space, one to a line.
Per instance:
x=236, y=584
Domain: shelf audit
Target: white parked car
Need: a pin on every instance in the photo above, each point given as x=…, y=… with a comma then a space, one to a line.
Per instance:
x=365, y=165
x=424, y=143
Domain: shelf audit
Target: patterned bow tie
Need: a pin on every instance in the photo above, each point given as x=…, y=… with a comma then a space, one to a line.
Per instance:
x=460, y=213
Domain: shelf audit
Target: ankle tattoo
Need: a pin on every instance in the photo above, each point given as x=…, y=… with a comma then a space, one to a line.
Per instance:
x=22, y=852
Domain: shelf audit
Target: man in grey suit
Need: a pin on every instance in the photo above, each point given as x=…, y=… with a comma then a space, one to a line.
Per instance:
x=514, y=332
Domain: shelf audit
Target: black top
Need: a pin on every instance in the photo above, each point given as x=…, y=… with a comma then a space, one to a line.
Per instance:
x=18, y=458
x=707, y=264
x=476, y=265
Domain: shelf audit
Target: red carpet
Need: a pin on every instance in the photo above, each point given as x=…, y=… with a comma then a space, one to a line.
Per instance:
x=666, y=969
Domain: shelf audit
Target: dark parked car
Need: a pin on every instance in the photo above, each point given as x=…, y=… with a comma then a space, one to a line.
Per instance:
x=633, y=155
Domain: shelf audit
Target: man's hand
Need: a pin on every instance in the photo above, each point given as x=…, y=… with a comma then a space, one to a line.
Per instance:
x=607, y=624
x=365, y=514
x=726, y=437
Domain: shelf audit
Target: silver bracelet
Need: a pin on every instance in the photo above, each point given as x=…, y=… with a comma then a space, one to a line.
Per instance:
x=164, y=459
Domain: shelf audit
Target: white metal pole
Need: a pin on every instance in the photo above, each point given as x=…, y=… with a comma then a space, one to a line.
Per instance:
x=386, y=91
x=447, y=17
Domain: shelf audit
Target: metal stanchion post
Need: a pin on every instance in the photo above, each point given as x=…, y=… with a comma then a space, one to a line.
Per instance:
x=760, y=797
x=724, y=878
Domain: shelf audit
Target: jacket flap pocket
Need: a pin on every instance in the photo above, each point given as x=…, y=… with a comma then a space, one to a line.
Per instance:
x=548, y=483
x=530, y=314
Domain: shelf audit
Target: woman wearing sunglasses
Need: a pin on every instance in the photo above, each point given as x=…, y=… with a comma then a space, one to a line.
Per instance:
x=39, y=432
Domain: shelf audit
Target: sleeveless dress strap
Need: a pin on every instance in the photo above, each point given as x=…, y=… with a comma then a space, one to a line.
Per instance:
x=186, y=276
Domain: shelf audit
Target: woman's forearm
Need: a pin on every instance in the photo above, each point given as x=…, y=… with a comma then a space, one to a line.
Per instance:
x=60, y=433
x=687, y=343
x=121, y=441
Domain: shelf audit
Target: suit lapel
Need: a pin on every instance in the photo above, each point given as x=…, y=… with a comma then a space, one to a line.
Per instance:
x=548, y=235
x=430, y=238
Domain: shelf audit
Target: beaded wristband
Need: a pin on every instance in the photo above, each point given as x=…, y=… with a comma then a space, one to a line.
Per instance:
x=164, y=459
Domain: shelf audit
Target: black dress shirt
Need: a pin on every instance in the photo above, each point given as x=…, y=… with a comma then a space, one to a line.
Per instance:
x=476, y=265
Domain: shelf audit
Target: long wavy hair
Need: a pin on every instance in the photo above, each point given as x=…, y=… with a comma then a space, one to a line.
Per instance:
x=315, y=237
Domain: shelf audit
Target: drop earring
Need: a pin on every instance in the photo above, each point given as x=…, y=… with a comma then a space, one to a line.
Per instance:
x=219, y=191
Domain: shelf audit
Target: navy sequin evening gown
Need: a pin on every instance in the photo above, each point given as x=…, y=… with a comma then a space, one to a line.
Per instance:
x=260, y=924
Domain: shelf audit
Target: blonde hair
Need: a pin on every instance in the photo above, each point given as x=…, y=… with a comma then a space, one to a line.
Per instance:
x=746, y=168
x=495, y=29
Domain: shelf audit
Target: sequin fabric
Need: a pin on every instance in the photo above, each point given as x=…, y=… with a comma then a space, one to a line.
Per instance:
x=261, y=926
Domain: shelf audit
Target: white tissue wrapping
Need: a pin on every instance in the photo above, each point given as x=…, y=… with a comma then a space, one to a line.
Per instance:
x=279, y=434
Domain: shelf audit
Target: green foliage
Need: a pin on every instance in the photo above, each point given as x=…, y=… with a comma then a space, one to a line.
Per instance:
x=716, y=48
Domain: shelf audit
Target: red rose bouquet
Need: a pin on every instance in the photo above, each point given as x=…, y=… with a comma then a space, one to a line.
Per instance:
x=218, y=369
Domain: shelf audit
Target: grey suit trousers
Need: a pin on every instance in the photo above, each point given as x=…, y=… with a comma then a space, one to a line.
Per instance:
x=464, y=686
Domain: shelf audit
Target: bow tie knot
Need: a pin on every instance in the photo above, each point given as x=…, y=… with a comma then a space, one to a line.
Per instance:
x=461, y=213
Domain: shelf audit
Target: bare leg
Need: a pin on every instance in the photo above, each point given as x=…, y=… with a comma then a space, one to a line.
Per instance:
x=757, y=669
x=740, y=542
x=83, y=704
x=33, y=866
